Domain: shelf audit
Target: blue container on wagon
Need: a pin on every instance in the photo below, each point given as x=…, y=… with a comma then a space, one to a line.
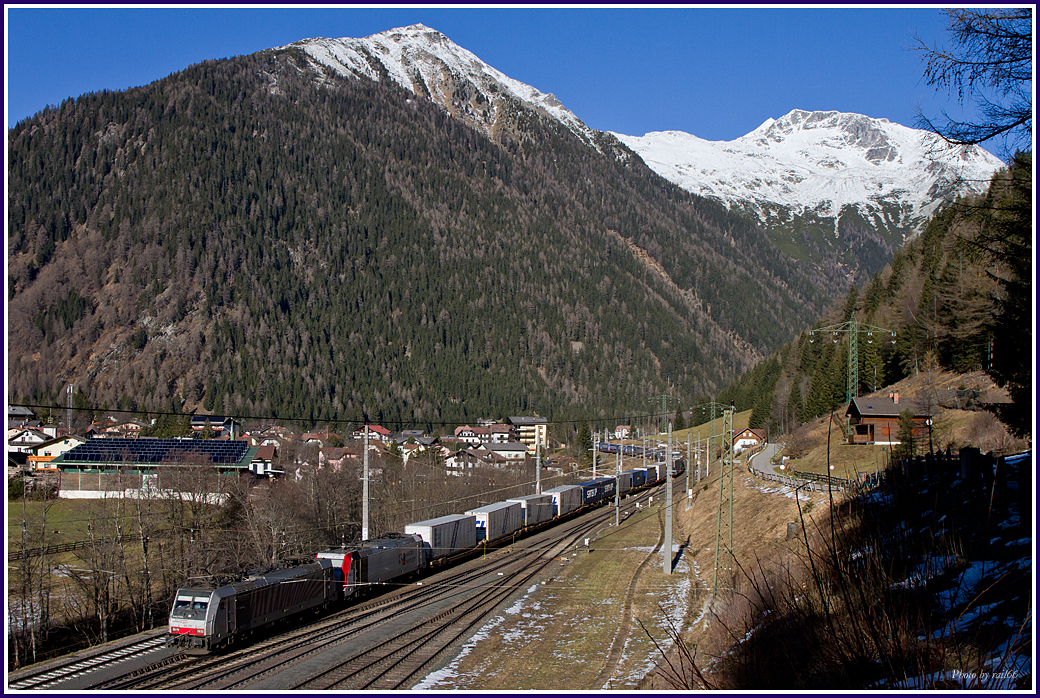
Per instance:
x=651, y=473
x=597, y=490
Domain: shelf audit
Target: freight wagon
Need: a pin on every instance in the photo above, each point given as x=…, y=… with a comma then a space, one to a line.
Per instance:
x=536, y=508
x=566, y=498
x=204, y=618
x=636, y=478
x=597, y=490
x=624, y=481
x=375, y=561
x=651, y=473
x=497, y=520
x=446, y=535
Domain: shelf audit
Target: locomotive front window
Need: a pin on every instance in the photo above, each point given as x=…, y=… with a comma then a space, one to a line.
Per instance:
x=190, y=607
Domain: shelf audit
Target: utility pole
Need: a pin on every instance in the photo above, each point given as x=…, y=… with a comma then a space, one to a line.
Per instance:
x=689, y=464
x=698, y=452
x=595, y=449
x=538, y=467
x=617, y=490
x=664, y=400
x=724, y=522
x=853, y=328
x=711, y=434
x=667, y=546
x=364, y=496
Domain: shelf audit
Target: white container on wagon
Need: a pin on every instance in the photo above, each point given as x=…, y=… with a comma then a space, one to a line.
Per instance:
x=498, y=519
x=566, y=498
x=445, y=535
x=536, y=507
x=651, y=473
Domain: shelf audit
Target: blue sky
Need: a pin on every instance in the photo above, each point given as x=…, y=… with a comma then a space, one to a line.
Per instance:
x=716, y=73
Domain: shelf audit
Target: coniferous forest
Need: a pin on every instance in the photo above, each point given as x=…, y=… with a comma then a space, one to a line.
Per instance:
x=958, y=297
x=246, y=237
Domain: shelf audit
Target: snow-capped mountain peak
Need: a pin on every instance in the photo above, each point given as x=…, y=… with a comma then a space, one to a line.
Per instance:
x=429, y=64
x=816, y=179
x=823, y=164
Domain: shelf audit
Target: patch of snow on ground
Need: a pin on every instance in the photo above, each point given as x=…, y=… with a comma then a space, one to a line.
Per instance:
x=444, y=675
x=930, y=568
x=673, y=605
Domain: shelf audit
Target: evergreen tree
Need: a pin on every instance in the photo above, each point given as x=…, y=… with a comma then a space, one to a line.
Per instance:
x=1006, y=232
x=584, y=441
x=907, y=446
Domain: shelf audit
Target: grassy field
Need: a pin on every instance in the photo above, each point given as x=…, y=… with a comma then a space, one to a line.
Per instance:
x=66, y=520
x=561, y=634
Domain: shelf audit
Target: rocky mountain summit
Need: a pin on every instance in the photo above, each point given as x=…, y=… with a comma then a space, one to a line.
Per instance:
x=824, y=165
x=841, y=191
x=429, y=64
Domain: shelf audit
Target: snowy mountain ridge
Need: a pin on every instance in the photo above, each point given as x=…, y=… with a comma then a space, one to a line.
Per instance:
x=823, y=183
x=430, y=65
x=822, y=163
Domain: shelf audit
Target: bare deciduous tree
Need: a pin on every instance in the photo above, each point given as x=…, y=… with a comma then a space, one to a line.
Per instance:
x=991, y=66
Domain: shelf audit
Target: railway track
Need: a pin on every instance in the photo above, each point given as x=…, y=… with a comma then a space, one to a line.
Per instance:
x=440, y=610
x=59, y=673
x=616, y=646
x=392, y=664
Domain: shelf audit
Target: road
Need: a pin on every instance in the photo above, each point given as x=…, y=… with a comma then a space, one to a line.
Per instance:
x=761, y=460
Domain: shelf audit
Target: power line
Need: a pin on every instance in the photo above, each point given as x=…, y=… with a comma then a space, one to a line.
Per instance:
x=308, y=420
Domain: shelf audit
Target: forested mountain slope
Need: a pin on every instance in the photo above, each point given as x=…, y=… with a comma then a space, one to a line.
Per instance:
x=241, y=238
x=959, y=297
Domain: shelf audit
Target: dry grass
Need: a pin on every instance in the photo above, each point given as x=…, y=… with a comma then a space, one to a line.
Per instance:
x=561, y=633
x=953, y=428
x=875, y=594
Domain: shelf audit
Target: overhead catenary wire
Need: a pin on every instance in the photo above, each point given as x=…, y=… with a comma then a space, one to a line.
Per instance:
x=400, y=423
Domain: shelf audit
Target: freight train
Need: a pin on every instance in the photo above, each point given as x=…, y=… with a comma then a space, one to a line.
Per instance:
x=657, y=453
x=208, y=617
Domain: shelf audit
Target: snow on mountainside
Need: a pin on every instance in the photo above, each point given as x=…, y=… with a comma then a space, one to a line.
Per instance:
x=429, y=64
x=823, y=163
x=827, y=185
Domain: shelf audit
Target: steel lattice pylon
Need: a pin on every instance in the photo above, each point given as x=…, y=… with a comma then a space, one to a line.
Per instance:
x=853, y=328
x=724, y=524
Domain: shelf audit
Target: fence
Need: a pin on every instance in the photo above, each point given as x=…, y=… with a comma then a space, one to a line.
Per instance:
x=64, y=547
x=807, y=481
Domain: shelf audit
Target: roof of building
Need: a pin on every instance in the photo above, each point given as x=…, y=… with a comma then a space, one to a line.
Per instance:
x=528, y=421
x=477, y=454
x=265, y=452
x=373, y=429
x=211, y=419
x=59, y=439
x=98, y=453
x=886, y=407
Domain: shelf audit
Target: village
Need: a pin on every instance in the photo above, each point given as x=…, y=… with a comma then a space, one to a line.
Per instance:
x=111, y=455
x=110, y=448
